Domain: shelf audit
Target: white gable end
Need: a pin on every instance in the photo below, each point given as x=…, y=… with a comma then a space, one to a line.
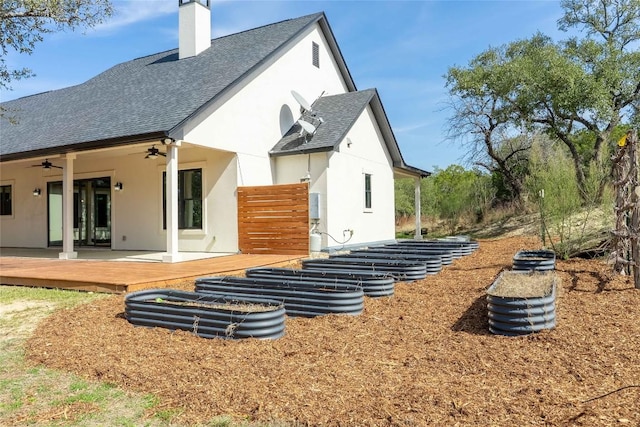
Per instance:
x=255, y=114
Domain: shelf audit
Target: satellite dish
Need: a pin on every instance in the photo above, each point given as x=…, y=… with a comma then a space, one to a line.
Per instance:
x=300, y=100
x=308, y=127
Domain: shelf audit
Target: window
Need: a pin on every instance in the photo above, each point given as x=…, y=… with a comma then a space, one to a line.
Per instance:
x=5, y=200
x=367, y=191
x=189, y=199
x=315, y=54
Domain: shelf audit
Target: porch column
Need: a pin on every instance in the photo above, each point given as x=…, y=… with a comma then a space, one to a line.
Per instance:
x=416, y=201
x=172, y=254
x=67, y=209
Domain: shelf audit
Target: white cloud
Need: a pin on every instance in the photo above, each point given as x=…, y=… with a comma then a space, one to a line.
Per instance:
x=128, y=12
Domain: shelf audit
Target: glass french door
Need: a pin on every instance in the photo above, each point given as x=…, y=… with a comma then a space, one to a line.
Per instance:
x=91, y=212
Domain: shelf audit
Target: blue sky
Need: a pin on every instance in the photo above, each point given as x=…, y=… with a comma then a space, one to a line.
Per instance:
x=402, y=48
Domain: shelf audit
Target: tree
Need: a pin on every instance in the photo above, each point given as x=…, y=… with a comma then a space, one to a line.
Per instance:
x=458, y=193
x=483, y=119
x=567, y=89
x=404, y=195
x=23, y=23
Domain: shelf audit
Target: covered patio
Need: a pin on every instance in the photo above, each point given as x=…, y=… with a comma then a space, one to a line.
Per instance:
x=121, y=271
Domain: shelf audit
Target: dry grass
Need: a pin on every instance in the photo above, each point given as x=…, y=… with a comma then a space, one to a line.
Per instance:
x=512, y=284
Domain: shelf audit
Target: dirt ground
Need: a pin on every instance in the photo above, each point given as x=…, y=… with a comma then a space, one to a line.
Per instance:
x=422, y=357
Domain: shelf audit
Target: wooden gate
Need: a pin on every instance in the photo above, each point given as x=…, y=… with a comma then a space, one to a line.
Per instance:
x=274, y=219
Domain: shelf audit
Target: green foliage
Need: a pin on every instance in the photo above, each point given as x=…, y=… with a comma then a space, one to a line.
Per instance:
x=451, y=194
x=23, y=24
x=459, y=193
x=404, y=197
x=577, y=91
x=552, y=186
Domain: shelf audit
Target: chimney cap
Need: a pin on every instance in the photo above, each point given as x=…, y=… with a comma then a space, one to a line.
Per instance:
x=205, y=3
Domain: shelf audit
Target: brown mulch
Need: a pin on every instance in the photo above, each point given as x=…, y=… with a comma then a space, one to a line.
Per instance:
x=422, y=357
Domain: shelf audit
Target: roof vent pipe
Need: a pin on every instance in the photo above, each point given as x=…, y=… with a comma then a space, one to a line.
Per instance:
x=194, y=25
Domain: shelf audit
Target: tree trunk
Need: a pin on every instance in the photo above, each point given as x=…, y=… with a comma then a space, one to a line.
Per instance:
x=626, y=237
x=632, y=142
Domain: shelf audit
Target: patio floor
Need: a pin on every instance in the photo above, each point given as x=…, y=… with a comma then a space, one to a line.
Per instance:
x=43, y=269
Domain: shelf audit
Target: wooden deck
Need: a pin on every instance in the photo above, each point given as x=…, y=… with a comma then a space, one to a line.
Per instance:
x=122, y=276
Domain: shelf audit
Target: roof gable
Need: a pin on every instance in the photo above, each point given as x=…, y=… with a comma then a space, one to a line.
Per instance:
x=145, y=97
x=339, y=113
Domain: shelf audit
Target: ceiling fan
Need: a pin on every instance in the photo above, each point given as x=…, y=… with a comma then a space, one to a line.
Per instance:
x=46, y=164
x=153, y=153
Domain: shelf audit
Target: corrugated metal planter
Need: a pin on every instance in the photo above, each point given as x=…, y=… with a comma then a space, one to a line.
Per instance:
x=538, y=260
x=446, y=256
x=455, y=250
x=432, y=262
x=521, y=303
x=398, y=269
x=305, y=299
x=206, y=315
x=464, y=247
x=373, y=284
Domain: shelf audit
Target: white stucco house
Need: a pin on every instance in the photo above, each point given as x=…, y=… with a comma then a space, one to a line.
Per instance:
x=150, y=154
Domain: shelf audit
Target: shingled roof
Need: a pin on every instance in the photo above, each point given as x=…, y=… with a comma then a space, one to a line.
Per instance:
x=146, y=98
x=333, y=116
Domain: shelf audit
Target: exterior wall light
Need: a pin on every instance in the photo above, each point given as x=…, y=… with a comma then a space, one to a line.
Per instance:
x=167, y=141
x=37, y=192
x=118, y=186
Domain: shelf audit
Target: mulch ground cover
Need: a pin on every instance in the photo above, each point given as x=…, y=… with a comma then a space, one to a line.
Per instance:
x=422, y=357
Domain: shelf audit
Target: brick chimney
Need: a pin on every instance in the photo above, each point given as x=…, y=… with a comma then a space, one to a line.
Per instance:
x=194, y=24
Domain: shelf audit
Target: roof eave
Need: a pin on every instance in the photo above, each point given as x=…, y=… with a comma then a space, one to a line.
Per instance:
x=85, y=146
x=390, y=138
x=301, y=151
x=410, y=171
x=337, y=54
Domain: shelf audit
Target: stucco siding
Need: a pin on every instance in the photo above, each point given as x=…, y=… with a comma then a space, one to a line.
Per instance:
x=136, y=212
x=362, y=152
x=250, y=119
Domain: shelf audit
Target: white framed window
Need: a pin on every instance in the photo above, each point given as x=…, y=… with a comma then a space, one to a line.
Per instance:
x=190, y=204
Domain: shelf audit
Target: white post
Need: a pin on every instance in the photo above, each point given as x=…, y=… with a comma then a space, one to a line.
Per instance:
x=172, y=254
x=67, y=209
x=416, y=201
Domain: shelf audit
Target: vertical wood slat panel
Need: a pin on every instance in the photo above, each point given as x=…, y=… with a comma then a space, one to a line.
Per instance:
x=274, y=219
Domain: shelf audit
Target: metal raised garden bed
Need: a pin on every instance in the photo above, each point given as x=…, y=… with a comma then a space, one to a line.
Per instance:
x=432, y=263
x=398, y=269
x=305, y=299
x=373, y=284
x=521, y=303
x=446, y=256
x=206, y=315
x=464, y=248
x=538, y=260
x=455, y=251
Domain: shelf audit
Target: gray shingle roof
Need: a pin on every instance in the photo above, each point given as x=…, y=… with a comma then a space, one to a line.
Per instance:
x=338, y=112
x=142, y=98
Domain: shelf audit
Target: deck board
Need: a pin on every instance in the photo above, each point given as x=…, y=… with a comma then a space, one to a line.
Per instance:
x=119, y=276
